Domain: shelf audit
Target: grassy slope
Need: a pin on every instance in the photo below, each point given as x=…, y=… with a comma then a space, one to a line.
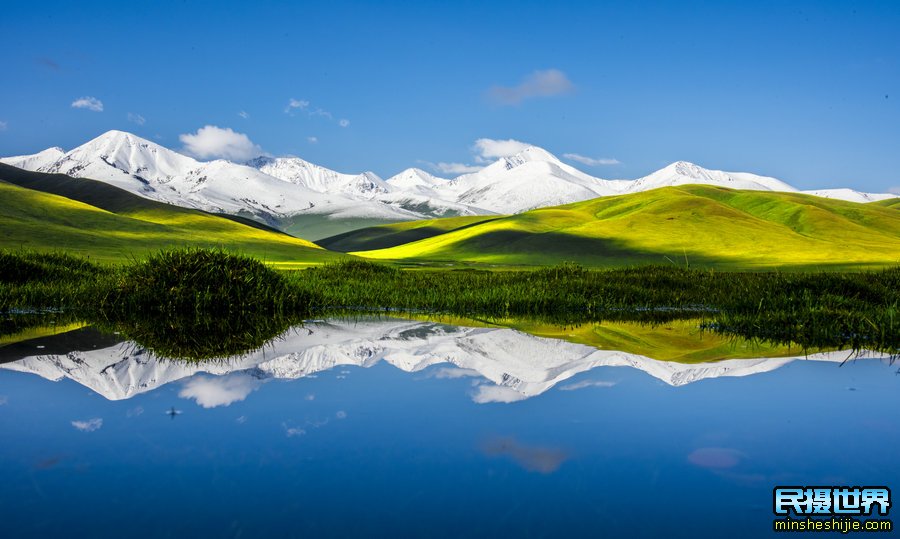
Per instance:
x=46, y=222
x=708, y=226
x=889, y=203
x=392, y=235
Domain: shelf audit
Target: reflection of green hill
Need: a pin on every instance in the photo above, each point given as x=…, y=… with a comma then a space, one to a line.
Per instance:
x=707, y=226
x=54, y=212
x=680, y=341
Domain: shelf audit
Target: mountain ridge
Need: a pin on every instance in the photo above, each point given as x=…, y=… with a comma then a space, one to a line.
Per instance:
x=284, y=190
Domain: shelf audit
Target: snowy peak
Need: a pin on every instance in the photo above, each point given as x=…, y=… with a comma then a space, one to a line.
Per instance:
x=531, y=154
x=300, y=172
x=127, y=155
x=686, y=173
x=415, y=178
x=35, y=161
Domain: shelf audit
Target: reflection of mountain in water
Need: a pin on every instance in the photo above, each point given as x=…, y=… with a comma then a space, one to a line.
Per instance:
x=519, y=365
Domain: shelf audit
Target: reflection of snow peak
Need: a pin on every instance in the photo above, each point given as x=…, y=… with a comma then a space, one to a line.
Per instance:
x=520, y=365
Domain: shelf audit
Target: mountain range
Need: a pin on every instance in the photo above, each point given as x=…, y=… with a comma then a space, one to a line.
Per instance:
x=314, y=202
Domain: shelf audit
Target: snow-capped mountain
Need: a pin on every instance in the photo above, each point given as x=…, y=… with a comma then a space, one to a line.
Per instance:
x=849, y=195
x=684, y=173
x=35, y=161
x=150, y=170
x=532, y=178
x=279, y=190
x=299, y=172
x=514, y=365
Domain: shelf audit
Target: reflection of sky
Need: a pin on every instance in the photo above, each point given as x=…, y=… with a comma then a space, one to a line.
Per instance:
x=357, y=451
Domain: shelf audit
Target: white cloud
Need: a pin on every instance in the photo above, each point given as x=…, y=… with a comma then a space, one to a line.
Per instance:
x=591, y=161
x=244, y=114
x=487, y=149
x=312, y=140
x=3, y=126
x=88, y=102
x=587, y=383
x=341, y=414
x=542, y=83
x=136, y=118
x=89, y=425
x=490, y=393
x=210, y=392
x=344, y=123
x=894, y=190
x=453, y=168
x=212, y=141
x=241, y=420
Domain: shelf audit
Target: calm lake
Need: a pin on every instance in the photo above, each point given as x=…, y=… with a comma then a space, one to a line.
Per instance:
x=407, y=428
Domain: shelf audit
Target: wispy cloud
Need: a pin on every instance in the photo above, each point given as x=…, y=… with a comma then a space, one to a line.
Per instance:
x=134, y=412
x=136, y=118
x=304, y=106
x=48, y=63
x=213, y=391
x=312, y=140
x=244, y=114
x=490, y=393
x=3, y=400
x=716, y=457
x=215, y=142
x=542, y=83
x=587, y=383
x=3, y=126
x=892, y=190
x=88, y=425
x=89, y=103
x=291, y=432
x=296, y=104
x=591, y=161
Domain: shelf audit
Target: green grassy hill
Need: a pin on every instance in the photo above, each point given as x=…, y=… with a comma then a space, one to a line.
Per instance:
x=889, y=203
x=116, y=225
x=392, y=235
x=699, y=225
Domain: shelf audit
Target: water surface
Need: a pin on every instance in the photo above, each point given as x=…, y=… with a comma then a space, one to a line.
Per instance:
x=391, y=427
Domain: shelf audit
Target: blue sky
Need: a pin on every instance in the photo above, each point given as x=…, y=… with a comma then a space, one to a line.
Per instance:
x=807, y=92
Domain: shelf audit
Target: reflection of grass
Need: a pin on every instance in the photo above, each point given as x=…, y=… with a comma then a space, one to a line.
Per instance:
x=857, y=310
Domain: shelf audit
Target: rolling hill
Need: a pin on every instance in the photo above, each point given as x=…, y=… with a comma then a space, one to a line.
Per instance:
x=697, y=225
x=52, y=212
